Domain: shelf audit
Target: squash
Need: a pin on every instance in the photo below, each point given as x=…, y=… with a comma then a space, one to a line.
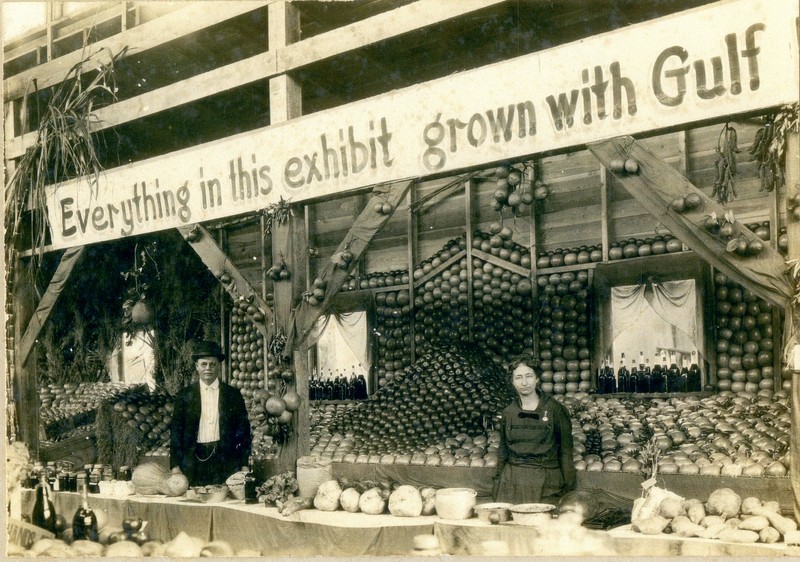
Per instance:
x=152, y=478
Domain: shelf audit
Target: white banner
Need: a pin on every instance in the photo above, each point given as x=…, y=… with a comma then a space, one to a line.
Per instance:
x=722, y=59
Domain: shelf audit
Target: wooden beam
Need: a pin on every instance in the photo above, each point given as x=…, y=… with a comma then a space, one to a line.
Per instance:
x=236, y=285
x=656, y=184
x=162, y=30
x=45, y=306
x=279, y=60
x=364, y=228
x=420, y=14
x=25, y=398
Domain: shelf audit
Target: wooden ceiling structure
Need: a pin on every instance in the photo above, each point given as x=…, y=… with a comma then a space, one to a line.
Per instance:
x=196, y=74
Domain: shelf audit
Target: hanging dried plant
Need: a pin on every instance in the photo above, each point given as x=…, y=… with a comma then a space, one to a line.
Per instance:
x=277, y=213
x=64, y=148
x=769, y=146
x=724, y=185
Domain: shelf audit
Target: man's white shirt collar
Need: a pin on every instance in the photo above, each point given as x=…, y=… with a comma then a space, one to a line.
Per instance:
x=213, y=386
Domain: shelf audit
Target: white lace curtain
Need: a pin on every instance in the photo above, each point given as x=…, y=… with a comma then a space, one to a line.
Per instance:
x=672, y=301
x=351, y=329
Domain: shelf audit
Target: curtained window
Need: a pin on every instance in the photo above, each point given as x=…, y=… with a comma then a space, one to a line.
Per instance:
x=342, y=345
x=654, y=316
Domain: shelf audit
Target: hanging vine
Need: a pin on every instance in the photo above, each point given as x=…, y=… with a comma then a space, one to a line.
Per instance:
x=769, y=146
x=727, y=148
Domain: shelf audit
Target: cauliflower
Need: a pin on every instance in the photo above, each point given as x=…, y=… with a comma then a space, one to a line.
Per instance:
x=372, y=502
x=724, y=502
x=327, y=498
x=405, y=501
x=349, y=500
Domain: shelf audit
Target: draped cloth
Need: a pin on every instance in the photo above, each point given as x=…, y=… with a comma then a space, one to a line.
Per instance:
x=350, y=327
x=635, y=306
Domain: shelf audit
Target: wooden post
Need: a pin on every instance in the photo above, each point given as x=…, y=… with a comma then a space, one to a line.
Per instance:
x=26, y=396
x=792, y=175
x=289, y=240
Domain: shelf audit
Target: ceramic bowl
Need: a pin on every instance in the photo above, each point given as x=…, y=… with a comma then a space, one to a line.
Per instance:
x=497, y=512
x=532, y=513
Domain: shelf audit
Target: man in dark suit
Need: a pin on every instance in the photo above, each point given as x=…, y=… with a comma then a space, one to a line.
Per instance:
x=210, y=431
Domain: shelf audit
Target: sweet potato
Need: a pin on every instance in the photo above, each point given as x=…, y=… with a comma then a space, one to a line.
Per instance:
x=782, y=524
x=709, y=520
x=769, y=535
x=695, y=510
x=750, y=505
x=735, y=535
x=772, y=506
x=733, y=523
x=683, y=527
x=754, y=523
x=712, y=531
x=650, y=525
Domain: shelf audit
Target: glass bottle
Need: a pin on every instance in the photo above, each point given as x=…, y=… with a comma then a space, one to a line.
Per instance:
x=673, y=375
x=622, y=377
x=684, y=377
x=50, y=470
x=633, y=377
x=44, y=512
x=655, y=376
x=84, y=522
x=694, y=384
x=600, y=384
x=250, y=487
x=644, y=378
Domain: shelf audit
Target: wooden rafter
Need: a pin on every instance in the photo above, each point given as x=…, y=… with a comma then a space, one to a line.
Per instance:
x=232, y=280
x=364, y=228
x=45, y=306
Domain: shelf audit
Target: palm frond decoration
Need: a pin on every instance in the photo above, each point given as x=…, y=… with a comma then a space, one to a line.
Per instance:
x=64, y=147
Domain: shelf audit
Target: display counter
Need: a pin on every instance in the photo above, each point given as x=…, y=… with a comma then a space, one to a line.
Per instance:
x=624, y=484
x=316, y=533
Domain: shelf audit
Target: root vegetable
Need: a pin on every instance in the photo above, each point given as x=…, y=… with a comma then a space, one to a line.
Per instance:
x=327, y=498
x=695, y=510
x=372, y=502
x=651, y=525
x=683, y=527
x=750, y=506
x=754, y=523
x=772, y=506
x=349, y=500
x=782, y=524
x=405, y=501
x=671, y=507
x=769, y=535
x=710, y=520
x=713, y=531
x=736, y=535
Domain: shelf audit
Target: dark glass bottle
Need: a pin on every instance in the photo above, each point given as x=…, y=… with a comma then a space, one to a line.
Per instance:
x=84, y=522
x=644, y=378
x=694, y=383
x=250, y=485
x=633, y=377
x=655, y=376
x=44, y=512
x=683, y=383
x=361, y=388
x=673, y=376
x=602, y=371
x=622, y=377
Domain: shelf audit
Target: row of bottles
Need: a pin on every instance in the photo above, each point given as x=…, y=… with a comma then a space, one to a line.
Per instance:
x=84, y=522
x=641, y=379
x=337, y=386
x=62, y=477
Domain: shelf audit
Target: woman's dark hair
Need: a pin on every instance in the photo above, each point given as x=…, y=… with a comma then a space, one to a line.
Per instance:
x=525, y=358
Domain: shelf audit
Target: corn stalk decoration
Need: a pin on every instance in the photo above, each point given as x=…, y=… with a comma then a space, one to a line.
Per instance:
x=64, y=147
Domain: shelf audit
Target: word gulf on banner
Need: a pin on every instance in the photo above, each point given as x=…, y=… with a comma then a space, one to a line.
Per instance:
x=718, y=60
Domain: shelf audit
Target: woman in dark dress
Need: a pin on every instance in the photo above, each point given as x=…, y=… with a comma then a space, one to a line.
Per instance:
x=535, y=457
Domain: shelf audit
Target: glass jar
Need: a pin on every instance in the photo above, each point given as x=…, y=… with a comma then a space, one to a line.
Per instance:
x=73, y=481
x=94, y=480
x=63, y=481
x=124, y=473
x=108, y=473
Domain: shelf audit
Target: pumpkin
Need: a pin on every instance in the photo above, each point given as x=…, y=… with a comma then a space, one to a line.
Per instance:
x=152, y=478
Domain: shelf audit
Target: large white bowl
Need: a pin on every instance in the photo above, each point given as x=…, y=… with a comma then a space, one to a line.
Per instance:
x=455, y=503
x=532, y=513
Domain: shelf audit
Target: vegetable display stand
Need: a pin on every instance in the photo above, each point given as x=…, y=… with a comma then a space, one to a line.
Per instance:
x=80, y=449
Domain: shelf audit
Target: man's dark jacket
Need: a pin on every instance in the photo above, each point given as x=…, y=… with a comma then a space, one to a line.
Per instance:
x=234, y=429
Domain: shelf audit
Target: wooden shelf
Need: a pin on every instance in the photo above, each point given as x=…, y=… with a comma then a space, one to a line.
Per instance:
x=566, y=268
